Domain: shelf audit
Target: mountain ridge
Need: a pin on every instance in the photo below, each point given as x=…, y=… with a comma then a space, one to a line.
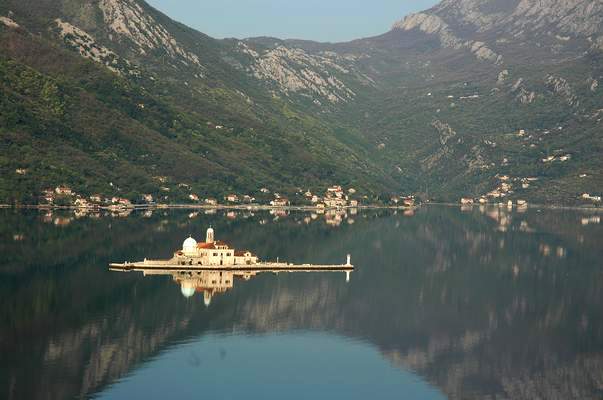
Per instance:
x=370, y=111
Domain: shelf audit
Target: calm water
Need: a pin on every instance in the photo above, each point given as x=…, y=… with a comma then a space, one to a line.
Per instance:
x=473, y=304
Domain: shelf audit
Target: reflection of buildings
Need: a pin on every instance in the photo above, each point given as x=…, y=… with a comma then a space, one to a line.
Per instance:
x=208, y=282
x=217, y=281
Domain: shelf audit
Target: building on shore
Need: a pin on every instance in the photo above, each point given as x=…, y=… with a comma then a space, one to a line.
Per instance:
x=63, y=190
x=280, y=202
x=593, y=198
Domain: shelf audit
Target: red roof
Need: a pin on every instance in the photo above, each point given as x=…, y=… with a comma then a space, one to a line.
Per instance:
x=241, y=253
x=212, y=245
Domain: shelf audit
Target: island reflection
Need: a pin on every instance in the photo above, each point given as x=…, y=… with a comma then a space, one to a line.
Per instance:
x=215, y=281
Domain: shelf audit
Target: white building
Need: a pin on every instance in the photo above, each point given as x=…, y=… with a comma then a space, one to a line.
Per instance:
x=212, y=252
x=63, y=190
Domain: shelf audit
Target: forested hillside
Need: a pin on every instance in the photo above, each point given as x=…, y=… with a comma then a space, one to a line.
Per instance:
x=470, y=98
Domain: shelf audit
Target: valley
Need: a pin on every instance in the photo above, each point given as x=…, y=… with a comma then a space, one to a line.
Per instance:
x=110, y=96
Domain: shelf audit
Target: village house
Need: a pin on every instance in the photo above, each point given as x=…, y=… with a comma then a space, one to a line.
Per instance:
x=248, y=199
x=494, y=194
x=353, y=203
x=96, y=198
x=211, y=202
x=466, y=201
x=21, y=171
x=336, y=191
x=264, y=190
x=63, y=190
x=233, y=198
x=48, y=195
x=119, y=201
x=148, y=198
x=408, y=201
x=82, y=203
x=315, y=199
x=335, y=202
x=280, y=202
x=193, y=197
x=351, y=191
x=590, y=197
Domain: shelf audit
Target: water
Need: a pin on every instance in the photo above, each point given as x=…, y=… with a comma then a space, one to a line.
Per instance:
x=446, y=303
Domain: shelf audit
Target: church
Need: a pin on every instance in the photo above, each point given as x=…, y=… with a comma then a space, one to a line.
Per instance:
x=212, y=253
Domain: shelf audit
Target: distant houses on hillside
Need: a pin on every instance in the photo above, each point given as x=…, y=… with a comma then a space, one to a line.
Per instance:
x=333, y=197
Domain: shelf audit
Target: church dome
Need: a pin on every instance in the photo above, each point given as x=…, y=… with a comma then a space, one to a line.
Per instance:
x=189, y=246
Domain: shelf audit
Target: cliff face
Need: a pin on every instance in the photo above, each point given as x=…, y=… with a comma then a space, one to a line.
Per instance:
x=580, y=18
x=458, y=23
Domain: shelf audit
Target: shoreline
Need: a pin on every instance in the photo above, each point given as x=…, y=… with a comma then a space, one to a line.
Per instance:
x=249, y=207
x=527, y=207
x=258, y=207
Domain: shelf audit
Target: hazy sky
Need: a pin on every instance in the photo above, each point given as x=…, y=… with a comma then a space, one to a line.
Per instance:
x=323, y=20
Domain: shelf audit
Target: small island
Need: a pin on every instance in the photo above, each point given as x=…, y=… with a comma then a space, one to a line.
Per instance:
x=215, y=254
x=211, y=267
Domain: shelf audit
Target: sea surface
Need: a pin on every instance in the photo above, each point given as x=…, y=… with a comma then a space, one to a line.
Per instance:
x=444, y=303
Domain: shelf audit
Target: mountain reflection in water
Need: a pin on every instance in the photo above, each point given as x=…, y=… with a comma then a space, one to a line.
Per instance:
x=480, y=303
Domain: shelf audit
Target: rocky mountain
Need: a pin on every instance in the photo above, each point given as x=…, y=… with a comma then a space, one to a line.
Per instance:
x=456, y=100
x=473, y=93
x=113, y=97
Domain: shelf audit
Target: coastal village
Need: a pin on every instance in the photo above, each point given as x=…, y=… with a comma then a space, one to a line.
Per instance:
x=334, y=197
x=336, y=205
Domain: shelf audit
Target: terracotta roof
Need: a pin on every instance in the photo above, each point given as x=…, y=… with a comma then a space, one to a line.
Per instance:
x=241, y=253
x=212, y=245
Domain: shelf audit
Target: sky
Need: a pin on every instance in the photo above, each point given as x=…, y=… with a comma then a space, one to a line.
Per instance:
x=321, y=20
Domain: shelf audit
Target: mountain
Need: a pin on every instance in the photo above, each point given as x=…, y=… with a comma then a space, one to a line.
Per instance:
x=482, y=96
x=113, y=97
x=468, y=98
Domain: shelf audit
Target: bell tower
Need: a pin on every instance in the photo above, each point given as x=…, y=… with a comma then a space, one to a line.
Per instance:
x=209, y=237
